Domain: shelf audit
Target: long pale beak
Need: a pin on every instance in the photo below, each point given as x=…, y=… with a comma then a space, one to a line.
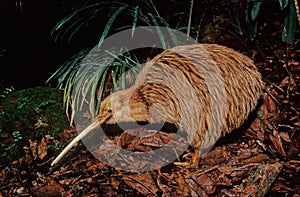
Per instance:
x=80, y=136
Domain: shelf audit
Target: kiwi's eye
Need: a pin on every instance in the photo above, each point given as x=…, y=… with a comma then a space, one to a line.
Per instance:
x=109, y=111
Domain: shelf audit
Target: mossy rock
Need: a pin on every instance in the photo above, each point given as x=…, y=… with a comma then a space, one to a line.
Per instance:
x=29, y=114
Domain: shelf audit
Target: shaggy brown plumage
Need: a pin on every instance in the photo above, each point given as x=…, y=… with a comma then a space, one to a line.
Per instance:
x=207, y=90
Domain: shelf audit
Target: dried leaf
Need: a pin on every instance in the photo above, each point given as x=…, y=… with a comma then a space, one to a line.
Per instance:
x=55, y=185
x=216, y=156
x=33, y=148
x=42, y=147
x=39, y=150
x=287, y=82
x=276, y=140
x=285, y=136
x=294, y=66
x=227, y=192
x=269, y=103
x=206, y=183
x=226, y=169
x=115, y=183
x=46, y=190
x=164, y=182
x=67, y=134
x=40, y=123
x=126, y=139
x=280, y=187
x=95, y=166
x=143, y=183
x=297, y=124
x=250, y=189
x=257, y=130
x=143, y=139
x=195, y=188
x=256, y=159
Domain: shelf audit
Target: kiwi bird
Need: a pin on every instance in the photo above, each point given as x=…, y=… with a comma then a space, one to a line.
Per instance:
x=208, y=90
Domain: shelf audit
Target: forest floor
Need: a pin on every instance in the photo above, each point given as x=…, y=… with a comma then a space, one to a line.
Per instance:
x=261, y=159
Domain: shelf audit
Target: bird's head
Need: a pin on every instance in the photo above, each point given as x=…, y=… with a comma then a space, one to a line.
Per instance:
x=123, y=106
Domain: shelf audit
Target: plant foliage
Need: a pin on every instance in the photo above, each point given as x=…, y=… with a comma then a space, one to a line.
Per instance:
x=252, y=10
x=109, y=17
x=29, y=114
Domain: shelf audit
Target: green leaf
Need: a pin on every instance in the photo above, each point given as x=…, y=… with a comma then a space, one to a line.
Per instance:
x=109, y=24
x=122, y=76
x=170, y=31
x=289, y=27
x=253, y=30
x=158, y=30
x=77, y=19
x=283, y=3
x=101, y=90
x=99, y=74
x=135, y=18
x=259, y=115
x=234, y=17
x=251, y=13
x=102, y=85
x=113, y=76
x=68, y=67
x=255, y=10
x=78, y=24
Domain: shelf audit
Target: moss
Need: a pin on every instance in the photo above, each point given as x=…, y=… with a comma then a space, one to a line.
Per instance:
x=29, y=114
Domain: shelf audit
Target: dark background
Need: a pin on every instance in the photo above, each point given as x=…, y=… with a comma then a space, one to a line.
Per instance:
x=31, y=53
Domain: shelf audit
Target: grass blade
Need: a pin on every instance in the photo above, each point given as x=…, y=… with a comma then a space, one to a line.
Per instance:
x=109, y=24
x=135, y=18
x=158, y=30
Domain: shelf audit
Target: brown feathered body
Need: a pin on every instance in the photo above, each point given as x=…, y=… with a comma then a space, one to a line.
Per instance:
x=208, y=90
x=235, y=82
